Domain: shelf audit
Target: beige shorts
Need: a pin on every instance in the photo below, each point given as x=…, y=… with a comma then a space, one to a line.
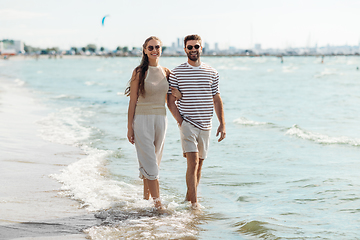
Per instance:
x=194, y=139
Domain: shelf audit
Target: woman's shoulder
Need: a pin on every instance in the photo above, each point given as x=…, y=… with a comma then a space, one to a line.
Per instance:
x=136, y=74
x=167, y=71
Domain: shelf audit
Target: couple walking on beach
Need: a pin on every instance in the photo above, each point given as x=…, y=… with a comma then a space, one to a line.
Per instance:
x=192, y=92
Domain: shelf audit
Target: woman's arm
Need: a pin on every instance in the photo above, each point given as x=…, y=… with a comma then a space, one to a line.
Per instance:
x=134, y=93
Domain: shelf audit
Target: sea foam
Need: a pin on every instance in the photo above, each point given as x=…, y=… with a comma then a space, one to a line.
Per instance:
x=326, y=72
x=177, y=225
x=245, y=121
x=19, y=82
x=64, y=126
x=64, y=96
x=295, y=130
x=86, y=181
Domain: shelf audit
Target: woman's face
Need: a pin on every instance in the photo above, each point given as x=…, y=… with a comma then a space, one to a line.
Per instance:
x=153, y=49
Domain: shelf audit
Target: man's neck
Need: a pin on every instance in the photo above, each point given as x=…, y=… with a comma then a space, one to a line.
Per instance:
x=196, y=63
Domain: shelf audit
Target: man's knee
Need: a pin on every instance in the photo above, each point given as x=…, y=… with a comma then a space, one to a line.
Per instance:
x=192, y=156
x=192, y=159
x=200, y=162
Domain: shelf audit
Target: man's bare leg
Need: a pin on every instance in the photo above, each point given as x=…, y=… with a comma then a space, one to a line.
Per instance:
x=199, y=171
x=146, y=189
x=198, y=176
x=191, y=176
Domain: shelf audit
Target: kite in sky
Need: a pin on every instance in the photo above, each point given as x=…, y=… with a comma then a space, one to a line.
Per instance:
x=103, y=20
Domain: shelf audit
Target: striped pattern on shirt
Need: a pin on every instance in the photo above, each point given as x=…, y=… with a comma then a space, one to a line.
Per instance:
x=197, y=85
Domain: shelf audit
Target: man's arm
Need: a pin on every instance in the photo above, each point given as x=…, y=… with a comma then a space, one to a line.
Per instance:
x=173, y=109
x=219, y=110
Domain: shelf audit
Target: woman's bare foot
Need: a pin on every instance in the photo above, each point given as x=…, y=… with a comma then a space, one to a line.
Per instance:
x=157, y=203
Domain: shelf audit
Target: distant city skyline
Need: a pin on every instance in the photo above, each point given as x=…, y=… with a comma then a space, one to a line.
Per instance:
x=229, y=23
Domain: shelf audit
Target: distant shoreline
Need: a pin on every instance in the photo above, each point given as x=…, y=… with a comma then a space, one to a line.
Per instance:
x=19, y=57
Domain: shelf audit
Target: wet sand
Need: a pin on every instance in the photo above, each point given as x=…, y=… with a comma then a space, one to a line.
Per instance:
x=31, y=204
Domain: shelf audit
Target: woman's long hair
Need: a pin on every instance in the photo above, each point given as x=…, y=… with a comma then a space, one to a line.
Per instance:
x=142, y=68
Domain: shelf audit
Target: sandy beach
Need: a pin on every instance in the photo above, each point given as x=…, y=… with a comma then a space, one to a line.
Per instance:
x=31, y=205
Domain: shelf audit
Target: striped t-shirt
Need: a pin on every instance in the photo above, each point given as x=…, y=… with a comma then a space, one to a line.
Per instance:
x=197, y=85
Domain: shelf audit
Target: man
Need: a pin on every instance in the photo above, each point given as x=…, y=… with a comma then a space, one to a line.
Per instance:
x=199, y=86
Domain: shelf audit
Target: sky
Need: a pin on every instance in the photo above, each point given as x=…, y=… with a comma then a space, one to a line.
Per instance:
x=230, y=23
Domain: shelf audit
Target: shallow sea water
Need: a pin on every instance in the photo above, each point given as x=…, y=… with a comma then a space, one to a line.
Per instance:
x=288, y=168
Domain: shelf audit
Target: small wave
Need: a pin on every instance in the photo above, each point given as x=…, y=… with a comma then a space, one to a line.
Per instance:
x=287, y=69
x=64, y=96
x=255, y=228
x=245, y=121
x=146, y=225
x=326, y=72
x=321, y=138
x=241, y=68
x=120, y=93
x=85, y=181
x=234, y=68
x=93, y=83
x=19, y=82
x=119, y=205
x=64, y=126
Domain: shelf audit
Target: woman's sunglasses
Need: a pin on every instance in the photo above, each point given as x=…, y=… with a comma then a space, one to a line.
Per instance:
x=190, y=47
x=150, y=48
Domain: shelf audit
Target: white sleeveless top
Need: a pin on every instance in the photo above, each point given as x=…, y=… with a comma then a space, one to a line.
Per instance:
x=156, y=88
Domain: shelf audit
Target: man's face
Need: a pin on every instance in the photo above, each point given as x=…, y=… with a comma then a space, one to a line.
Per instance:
x=191, y=51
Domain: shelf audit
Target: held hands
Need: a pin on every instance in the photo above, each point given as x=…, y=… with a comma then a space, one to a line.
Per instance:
x=176, y=93
x=222, y=131
x=130, y=136
x=180, y=122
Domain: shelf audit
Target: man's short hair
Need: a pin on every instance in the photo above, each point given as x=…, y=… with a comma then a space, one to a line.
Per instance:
x=192, y=37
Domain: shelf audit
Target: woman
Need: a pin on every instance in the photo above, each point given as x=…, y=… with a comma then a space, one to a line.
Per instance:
x=147, y=115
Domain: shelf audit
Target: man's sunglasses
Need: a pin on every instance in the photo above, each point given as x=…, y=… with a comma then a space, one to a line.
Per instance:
x=150, y=48
x=190, y=47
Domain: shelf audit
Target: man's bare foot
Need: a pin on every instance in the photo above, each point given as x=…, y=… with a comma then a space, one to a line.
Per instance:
x=195, y=206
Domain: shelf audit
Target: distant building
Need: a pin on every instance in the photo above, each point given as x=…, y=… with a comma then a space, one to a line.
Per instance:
x=206, y=47
x=232, y=50
x=257, y=46
x=216, y=46
x=11, y=47
x=19, y=46
x=179, y=44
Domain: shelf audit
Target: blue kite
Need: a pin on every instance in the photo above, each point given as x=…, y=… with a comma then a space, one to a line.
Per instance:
x=103, y=20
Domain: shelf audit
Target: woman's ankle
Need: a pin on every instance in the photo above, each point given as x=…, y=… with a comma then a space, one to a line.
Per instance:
x=157, y=203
